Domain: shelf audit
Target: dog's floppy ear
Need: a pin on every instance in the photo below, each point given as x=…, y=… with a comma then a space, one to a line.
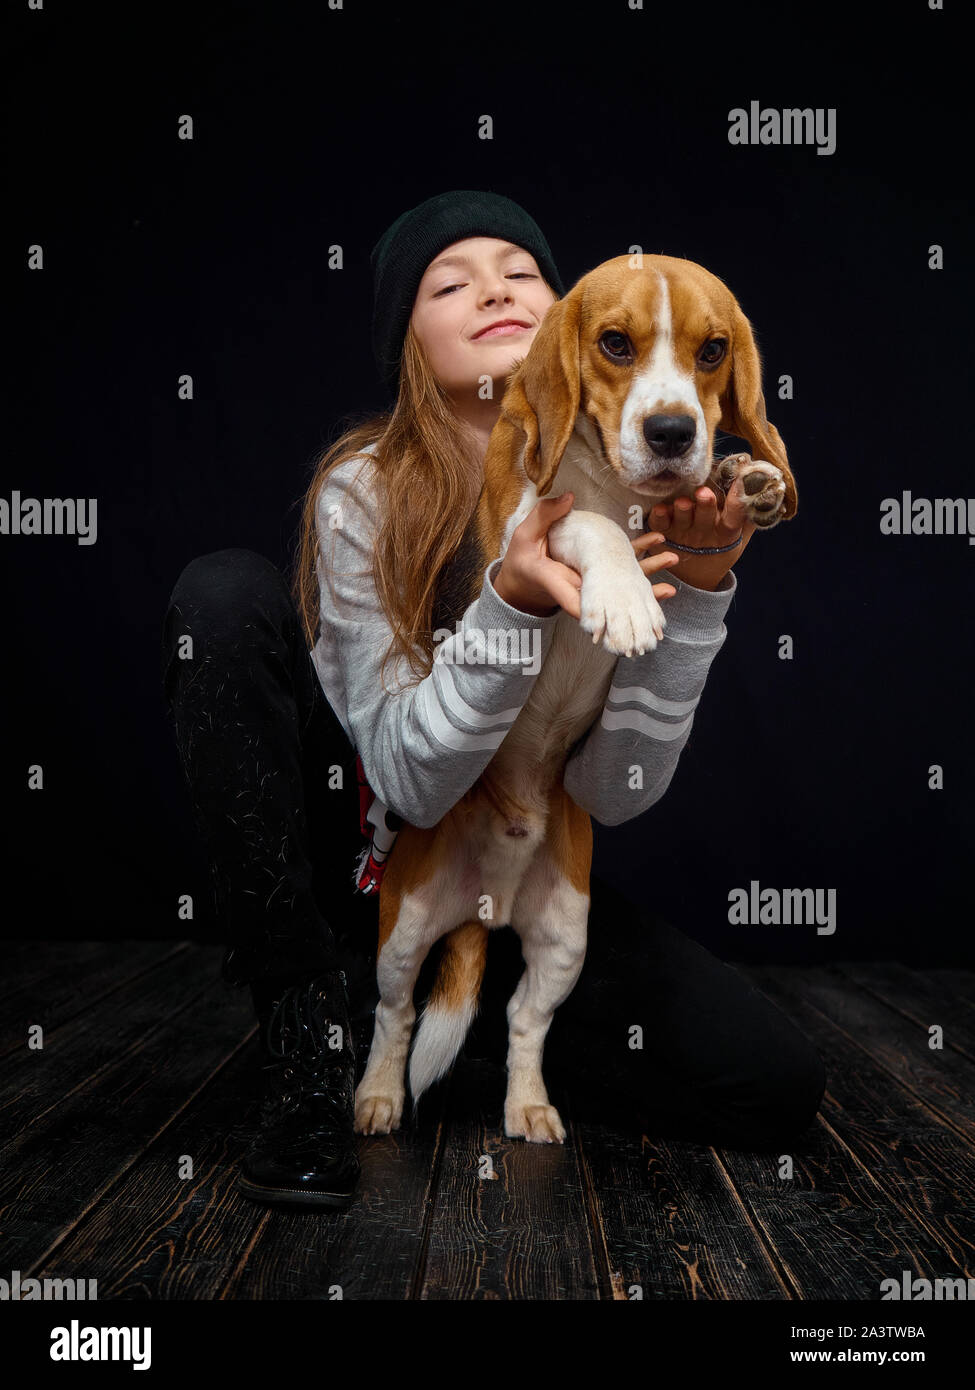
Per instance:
x=743, y=409
x=543, y=394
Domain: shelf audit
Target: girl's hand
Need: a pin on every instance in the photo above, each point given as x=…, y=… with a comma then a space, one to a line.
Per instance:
x=531, y=581
x=528, y=578
x=697, y=521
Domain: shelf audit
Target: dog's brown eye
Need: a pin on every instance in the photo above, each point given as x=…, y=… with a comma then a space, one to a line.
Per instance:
x=616, y=346
x=712, y=353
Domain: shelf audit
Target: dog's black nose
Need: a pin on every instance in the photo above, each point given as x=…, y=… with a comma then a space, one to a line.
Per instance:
x=669, y=436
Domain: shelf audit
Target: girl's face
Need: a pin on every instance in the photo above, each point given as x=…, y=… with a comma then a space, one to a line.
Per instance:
x=470, y=285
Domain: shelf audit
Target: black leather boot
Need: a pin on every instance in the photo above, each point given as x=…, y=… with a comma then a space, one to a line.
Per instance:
x=305, y=1154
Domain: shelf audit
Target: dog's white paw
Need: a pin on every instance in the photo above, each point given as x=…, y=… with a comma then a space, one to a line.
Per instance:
x=539, y=1124
x=762, y=487
x=622, y=612
x=377, y=1114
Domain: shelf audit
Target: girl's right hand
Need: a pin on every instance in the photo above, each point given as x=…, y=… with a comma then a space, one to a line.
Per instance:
x=533, y=582
x=529, y=579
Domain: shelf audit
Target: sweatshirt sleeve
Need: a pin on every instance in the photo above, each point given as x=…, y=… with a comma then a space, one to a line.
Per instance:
x=649, y=710
x=422, y=745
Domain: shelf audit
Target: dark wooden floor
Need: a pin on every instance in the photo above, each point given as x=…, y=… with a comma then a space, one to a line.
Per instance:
x=150, y=1061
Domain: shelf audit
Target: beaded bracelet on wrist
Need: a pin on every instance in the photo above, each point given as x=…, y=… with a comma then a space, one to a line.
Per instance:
x=703, y=549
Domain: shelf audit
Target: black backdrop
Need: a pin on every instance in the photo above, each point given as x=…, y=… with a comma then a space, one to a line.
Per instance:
x=316, y=127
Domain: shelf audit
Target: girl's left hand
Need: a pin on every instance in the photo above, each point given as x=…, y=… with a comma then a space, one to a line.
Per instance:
x=698, y=521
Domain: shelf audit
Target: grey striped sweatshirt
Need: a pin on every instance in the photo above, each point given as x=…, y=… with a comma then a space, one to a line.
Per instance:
x=423, y=746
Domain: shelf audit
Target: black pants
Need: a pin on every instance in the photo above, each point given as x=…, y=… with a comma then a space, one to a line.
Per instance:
x=260, y=747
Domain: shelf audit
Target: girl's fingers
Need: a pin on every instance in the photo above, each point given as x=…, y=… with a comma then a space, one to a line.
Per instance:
x=650, y=564
x=565, y=573
x=650, y=538
x=683, y=515
x=733, y=513
x=562, y=583
x=546, y=511
x=707, y=509
x=663, y=590
x=567, y=596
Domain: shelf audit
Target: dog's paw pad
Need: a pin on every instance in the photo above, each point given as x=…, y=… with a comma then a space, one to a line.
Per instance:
x=763, y=486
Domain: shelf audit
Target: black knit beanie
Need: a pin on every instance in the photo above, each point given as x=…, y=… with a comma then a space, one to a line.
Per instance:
x=401, y=255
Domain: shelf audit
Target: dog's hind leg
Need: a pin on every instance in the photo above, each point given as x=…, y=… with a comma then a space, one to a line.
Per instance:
x=551, y=917
x=380, y=1094
x=414, y=912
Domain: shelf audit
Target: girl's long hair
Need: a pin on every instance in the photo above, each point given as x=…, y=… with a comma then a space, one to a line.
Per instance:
x=429, y=474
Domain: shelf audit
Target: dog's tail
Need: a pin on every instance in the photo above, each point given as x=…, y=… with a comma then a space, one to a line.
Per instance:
x=451, y=1008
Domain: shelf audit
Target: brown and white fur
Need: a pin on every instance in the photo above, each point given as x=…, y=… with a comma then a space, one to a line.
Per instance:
x=516, y=849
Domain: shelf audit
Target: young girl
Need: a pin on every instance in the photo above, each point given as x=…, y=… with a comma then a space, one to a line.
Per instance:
x=280, y=691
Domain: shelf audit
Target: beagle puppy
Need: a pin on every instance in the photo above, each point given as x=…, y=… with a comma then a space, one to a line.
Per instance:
x=617, y=399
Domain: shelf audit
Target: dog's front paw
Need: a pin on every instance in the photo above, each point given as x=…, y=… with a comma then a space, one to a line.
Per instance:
x=762, y=487
x=539, y=1124
x=377, y=1114
x=622, y=612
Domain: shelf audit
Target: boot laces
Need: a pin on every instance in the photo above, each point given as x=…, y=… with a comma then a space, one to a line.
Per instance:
x=319, y=1075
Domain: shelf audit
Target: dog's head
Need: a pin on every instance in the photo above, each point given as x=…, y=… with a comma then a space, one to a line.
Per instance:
x=656, y=358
